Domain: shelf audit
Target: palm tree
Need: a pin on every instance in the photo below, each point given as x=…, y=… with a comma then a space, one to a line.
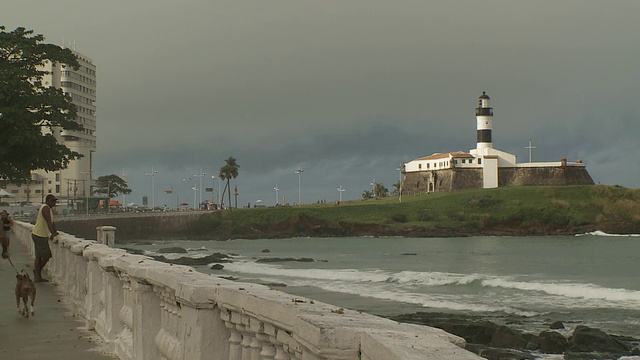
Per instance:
x=397, y=187
x=228, y=172
x=380, y=191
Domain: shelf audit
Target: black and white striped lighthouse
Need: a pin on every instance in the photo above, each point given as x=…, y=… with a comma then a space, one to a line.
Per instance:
x=484, y=117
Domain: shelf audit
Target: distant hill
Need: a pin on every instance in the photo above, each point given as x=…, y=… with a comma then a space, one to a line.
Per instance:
x=525, y=210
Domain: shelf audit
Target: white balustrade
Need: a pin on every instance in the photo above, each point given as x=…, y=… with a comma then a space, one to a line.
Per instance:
x=145, y=309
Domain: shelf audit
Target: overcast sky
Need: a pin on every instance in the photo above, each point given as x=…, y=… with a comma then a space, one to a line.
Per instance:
x=346, y=89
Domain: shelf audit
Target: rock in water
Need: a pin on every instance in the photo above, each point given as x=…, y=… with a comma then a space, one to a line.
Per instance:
x=552, y=342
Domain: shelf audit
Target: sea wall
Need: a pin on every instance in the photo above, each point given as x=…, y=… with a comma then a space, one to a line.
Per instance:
x=460, y=178
x=131, y=225
x=550, y=175
x=145, y=309
x=441, y=180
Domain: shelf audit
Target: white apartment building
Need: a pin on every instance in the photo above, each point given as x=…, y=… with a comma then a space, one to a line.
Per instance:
x=72, y=185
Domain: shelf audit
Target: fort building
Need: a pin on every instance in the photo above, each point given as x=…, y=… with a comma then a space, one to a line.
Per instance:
x=487, y=167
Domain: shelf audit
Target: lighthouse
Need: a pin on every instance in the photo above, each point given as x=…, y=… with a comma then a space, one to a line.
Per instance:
x=484, y=117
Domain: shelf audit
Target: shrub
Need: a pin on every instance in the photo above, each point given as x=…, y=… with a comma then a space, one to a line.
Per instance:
x=482, y=201
x=399, y=218
x=561, y=204
x=426, y=216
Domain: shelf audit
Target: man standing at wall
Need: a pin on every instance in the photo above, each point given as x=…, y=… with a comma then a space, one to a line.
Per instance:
x=42, y=232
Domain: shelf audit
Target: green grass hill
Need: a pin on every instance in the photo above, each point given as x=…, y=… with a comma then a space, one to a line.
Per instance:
x=530, y=210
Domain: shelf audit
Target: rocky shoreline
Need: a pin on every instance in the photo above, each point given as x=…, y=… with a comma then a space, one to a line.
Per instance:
x=501, y=342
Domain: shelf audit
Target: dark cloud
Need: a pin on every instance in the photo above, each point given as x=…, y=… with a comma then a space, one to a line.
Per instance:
x=347, y=90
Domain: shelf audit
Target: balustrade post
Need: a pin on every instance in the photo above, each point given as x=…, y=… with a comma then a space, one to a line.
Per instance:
x=146, y=320
x=235, y=351
x=113, y=301
x=203, y=333
x=235, y=338
x=93, y=304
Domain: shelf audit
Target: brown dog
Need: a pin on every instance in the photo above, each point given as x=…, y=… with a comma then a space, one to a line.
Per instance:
x=25, y=288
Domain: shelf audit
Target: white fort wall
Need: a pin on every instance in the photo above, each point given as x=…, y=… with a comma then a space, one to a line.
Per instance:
x=145, y=309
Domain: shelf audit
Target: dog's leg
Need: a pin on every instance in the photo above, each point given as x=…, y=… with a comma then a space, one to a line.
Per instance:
x=18, y=302
x=33, y=298
x=26, y=306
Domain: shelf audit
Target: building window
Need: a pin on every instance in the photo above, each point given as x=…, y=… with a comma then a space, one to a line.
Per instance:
x=479, y=161
x=455, y=161
x=470, y=161
x=57, y=177
x=57, y=189
x=463, y=161
x=419, y=166
x=428, y=165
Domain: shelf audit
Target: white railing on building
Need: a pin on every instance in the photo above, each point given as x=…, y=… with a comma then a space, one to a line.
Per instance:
x=145, y=309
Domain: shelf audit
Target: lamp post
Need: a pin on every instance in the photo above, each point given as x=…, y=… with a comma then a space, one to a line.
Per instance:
x=341, y=190
x=276, y=189
x=124, y=196
x=86, y=194
x=200, y=176
x=213, y=189
x=299, y=172
x=195, y=191
x=400, y=186
x=153, y=174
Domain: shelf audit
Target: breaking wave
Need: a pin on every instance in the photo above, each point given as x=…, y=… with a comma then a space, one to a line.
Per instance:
x=422, y=288
x=602, y=233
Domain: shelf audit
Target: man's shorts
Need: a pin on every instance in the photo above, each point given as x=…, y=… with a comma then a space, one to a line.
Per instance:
x=41, y=247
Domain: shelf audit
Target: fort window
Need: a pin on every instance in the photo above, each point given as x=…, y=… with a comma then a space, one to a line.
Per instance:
x=479, y=161
x=427, y=165
x=463, y=161
x=419, y=166
x=470, y=161
x=455, y=161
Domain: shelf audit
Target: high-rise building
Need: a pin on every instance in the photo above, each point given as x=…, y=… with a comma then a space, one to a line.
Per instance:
x=73, y=184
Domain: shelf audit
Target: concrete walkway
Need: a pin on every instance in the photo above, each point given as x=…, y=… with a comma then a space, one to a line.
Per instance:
x=53, y=333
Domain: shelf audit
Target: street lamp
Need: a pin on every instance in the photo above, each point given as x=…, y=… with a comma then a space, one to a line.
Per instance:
x=213, y=189
x=153, y=174
x=124, y=196
x=86, y=194
x=195, y=191
x=400, y=187
x=341, y=190
x=276, y=189
x=299, y=172
x=200, y=176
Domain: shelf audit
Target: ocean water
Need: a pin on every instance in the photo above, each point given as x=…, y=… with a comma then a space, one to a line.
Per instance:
x=526, y=282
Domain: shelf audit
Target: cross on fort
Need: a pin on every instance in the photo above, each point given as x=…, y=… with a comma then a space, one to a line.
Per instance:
x=530, y=147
